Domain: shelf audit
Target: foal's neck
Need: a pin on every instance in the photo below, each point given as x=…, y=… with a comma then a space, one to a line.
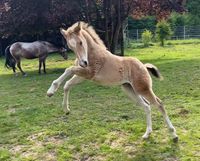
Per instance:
x=92, y=45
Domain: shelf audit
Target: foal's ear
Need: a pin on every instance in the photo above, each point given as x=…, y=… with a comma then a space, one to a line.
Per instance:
x=78, y=27
x=62, y=31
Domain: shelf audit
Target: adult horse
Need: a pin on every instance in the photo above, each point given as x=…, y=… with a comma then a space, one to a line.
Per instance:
x=96, y=63
x=30, y=50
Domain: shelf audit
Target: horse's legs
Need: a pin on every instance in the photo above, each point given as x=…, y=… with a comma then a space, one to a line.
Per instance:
x=153, y=99
x=19, y=66
x=127, y=88
x=14, y=69
x=70, y=83
x=40, y=64
x=44, y=66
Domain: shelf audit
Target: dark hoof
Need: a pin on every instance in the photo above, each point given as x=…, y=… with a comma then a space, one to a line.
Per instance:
x=175, y=140
x=67, y=113
x=24, y=74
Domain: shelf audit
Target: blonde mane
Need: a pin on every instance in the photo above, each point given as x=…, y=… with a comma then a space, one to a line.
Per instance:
x=90, y=30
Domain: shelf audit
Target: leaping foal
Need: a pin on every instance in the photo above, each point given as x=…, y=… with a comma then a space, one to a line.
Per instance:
x=96, y=63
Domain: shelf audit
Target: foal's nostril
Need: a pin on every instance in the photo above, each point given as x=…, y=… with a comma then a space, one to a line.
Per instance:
x=85, y=63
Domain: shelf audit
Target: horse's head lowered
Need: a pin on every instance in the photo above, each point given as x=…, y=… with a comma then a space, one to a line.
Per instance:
x=77, y=42
x=63, y=52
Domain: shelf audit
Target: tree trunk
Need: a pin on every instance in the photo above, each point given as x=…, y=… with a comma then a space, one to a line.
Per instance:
x=1, y=48
x=115, y=38
x=117, y=28
x=162, y=42
x=106, y=16
x=122, y=41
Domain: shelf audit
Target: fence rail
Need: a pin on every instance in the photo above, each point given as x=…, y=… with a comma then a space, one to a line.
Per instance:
x=179, y=32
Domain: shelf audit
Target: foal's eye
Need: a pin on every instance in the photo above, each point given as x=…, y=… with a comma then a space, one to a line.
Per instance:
x=81, y=43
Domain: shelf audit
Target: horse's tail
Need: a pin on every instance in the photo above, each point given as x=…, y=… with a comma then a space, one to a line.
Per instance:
x=153, y=70
x=10, y=61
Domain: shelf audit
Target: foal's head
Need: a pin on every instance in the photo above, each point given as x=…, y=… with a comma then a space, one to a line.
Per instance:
x=77, y=42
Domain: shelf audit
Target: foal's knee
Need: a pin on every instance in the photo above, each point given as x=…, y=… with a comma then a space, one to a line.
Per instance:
x=147, y=109
x=66, y=88
x=55, y=83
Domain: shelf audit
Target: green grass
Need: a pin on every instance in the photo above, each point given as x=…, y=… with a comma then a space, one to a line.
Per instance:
x=103, y=123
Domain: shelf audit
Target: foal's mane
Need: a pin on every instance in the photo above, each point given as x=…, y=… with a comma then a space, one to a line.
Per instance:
x=90, y=30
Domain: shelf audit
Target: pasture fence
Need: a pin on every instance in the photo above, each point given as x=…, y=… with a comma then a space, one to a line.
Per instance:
x=179, y=33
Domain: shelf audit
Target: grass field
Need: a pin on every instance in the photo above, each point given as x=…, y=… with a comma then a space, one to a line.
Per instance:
x=103, y=123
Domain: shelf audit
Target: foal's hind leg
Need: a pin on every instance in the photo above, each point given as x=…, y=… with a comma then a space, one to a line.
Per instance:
x=152, y=98
x=70, y=83
x=127, y=88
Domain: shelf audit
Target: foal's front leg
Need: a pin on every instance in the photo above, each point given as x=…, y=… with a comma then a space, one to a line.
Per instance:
x=56, y=83
x=70, y=83
x=68, y=73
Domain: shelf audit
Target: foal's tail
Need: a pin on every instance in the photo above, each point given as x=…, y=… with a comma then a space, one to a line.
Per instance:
x=153, y=70
x=10, y=61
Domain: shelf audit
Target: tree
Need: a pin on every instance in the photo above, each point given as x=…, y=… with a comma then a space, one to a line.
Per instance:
x=193, y=7
x=108, y=16
x=163, y=31
x=146, y=37
x=116, y=12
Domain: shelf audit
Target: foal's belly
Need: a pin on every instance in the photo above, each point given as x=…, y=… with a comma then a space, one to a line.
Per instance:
x=108, y=81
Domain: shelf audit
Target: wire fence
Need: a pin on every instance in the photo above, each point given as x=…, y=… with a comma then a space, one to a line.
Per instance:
x=179, y=32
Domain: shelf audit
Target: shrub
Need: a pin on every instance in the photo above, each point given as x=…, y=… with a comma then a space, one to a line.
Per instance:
x=163, y=31
x=146, y=37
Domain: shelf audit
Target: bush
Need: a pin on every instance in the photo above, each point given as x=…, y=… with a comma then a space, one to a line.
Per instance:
x=146, y=37
x=163, y=31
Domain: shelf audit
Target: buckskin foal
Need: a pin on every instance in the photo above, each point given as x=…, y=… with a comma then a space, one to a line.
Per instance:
x=96, y=63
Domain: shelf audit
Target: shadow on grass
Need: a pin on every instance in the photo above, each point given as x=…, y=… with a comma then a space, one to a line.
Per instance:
x=34, y=73
x=150, y=150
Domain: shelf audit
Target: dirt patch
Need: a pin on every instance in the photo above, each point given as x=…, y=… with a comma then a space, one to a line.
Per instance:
x=171, y=159
x=18, y=149
x=116, y=139
x=38, y=142
x=11, y=110
x=183, y=112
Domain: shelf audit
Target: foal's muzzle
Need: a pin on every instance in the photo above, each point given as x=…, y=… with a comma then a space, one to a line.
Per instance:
x=83, y=63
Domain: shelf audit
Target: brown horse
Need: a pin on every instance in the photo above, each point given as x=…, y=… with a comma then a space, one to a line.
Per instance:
x=30, y=50
x=96, y=63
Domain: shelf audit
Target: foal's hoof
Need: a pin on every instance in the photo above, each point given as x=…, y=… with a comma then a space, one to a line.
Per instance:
x=49, y=94
x=67, y=112
x=145, y=137
x=24, y=74
x=175, y=140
